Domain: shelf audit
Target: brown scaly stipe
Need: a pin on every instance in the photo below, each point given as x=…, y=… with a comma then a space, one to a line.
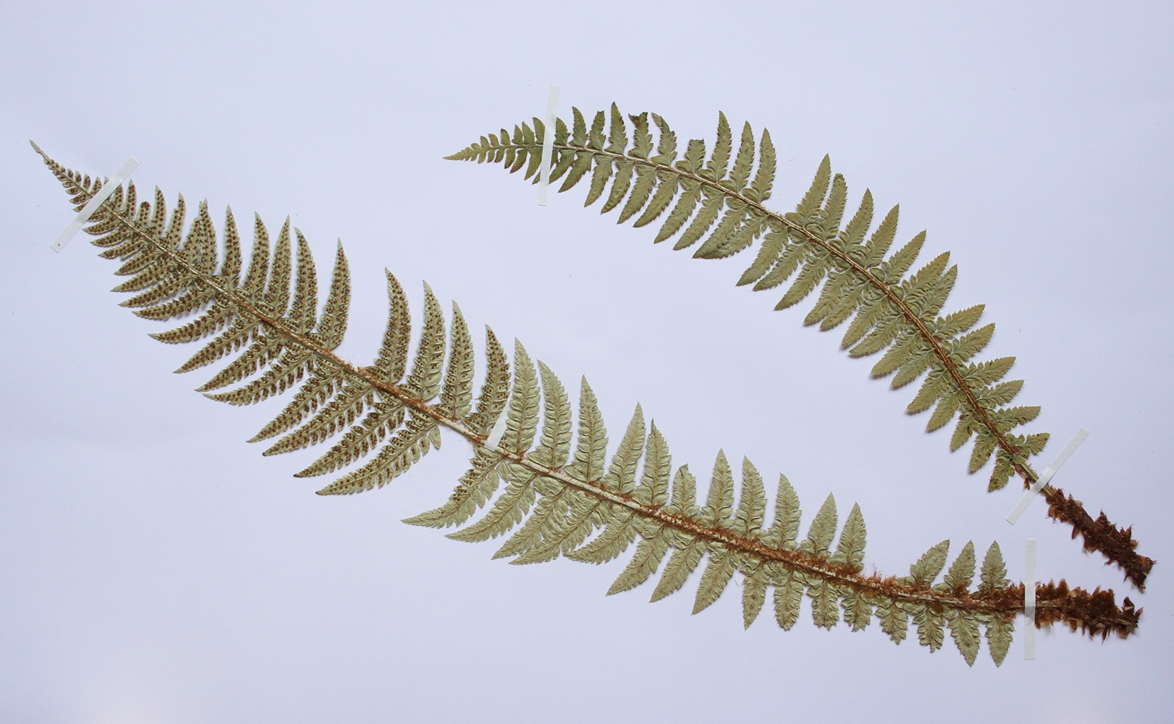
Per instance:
x=1094, y=613
x=1102, y=536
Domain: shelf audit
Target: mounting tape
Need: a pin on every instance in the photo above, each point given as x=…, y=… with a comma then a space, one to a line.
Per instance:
x=88, y=210
x=1043, y=480
x=1029, y=600
x=498, y=431
x=548, y=144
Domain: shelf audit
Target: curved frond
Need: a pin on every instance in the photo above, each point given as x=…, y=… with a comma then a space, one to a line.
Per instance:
x=557, y=502
x=889, y=306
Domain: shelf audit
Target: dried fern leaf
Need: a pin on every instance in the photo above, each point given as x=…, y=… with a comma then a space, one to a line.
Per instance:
x=717, y=208
x=580, y=505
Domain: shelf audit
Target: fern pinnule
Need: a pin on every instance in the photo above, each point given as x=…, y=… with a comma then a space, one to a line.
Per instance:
x=559, y=500
x=861, y=284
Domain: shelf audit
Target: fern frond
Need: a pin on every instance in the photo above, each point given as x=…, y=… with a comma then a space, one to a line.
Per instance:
x=886, y=308
x=555, y=503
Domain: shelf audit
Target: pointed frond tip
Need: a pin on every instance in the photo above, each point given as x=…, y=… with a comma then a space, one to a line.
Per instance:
x=562, y=495
x=714, y=203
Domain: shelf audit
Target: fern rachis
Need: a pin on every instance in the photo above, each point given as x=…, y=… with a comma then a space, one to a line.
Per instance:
x=558, y=500
x=722, y=207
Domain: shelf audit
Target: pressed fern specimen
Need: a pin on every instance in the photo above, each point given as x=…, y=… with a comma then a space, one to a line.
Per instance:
x=721, y=206
x=382, y=418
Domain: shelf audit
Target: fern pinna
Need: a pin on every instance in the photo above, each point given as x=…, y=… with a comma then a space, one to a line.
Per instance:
x=553, y=502
x=720, y=206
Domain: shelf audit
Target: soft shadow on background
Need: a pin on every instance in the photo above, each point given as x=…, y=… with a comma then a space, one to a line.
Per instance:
x=157, y=569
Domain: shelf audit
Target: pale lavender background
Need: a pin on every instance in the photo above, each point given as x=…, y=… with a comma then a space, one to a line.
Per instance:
x=155, y=568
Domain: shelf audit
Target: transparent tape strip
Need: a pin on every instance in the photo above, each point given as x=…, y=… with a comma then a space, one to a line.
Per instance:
x=498, y=431
x=1029, y=600
x=88, y=210
x=1046, y=477
x=548, y=144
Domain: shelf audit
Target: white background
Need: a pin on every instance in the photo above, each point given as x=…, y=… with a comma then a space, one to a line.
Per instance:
x=155, y=568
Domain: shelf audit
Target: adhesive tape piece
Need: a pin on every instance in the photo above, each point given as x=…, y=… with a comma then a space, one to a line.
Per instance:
x=88, y=210
x=1029, y=601
x=1046, y=477
x=548, y=144
x=498, y=431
